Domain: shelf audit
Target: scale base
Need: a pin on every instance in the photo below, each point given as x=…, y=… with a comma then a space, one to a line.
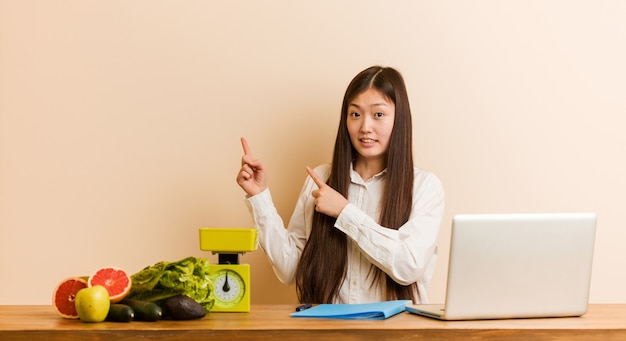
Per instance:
x=238, y=278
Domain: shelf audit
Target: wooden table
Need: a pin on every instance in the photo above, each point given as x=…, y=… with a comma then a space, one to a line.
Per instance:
x=602, y=322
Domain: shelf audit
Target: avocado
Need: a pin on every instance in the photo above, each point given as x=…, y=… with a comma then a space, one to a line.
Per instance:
x=181, y=307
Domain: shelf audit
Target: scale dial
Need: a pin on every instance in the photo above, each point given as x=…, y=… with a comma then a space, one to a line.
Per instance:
x=230, y=288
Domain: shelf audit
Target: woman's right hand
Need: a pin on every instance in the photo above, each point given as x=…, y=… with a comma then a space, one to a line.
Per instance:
x=251, y=177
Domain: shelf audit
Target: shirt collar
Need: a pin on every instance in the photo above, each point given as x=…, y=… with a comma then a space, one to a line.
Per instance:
x=356, y=178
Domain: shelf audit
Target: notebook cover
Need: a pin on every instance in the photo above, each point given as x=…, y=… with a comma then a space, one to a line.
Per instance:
x=361, y=311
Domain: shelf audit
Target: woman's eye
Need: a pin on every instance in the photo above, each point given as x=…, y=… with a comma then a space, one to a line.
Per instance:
x=355, y=114
x=379, y=114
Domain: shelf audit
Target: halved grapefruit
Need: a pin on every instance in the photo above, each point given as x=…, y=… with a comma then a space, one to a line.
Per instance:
x=115, y=280
x=64, y=295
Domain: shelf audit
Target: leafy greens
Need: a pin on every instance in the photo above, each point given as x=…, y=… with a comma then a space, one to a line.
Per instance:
x=188, y=276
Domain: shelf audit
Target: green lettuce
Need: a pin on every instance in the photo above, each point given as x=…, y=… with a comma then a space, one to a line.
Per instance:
x=188, y=276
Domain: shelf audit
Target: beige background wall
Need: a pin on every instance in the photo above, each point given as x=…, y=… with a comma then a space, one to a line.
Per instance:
x=120, y=120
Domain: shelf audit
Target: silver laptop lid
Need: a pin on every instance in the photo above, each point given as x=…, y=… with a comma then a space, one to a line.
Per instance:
x=520, y=265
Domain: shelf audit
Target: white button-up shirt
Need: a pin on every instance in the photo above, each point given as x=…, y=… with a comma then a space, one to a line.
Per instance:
x=408, y=255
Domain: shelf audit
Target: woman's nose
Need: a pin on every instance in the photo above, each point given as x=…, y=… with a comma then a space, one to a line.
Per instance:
x=366, y=124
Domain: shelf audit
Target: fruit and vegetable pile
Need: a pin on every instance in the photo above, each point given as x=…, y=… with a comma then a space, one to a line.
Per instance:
x=179, y=290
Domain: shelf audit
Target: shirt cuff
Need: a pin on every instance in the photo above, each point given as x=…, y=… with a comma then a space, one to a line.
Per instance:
x=261, y=203
x=349, y=221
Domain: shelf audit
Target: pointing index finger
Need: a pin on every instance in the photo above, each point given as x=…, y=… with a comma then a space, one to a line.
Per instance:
x=246, y=147
x=319, y=182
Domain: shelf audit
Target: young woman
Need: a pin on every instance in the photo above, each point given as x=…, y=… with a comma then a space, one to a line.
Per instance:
x=365, y=227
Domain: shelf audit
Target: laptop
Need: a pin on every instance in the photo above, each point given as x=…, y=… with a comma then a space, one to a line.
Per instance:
x=517, y=266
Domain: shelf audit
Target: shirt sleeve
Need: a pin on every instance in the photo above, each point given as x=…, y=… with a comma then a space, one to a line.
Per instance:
x=407, y=255
x=283, y=246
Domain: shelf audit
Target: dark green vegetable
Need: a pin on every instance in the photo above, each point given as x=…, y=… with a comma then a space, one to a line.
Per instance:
x=181, y=307
x=120, y=313
x=188, y=276
x=144, y=311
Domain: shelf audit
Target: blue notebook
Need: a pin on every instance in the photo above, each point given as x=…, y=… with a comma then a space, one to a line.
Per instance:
x=362, y=311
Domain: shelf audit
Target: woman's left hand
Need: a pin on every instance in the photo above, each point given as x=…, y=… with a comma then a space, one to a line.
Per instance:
x=327, y=200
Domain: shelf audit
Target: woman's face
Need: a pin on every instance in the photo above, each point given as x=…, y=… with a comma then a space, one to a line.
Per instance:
x=370, y=122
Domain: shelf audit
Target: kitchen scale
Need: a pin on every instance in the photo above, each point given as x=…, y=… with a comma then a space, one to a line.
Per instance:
x=230, y=279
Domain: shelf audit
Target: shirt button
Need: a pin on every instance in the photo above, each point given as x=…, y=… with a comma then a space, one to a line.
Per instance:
x=354, y=283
